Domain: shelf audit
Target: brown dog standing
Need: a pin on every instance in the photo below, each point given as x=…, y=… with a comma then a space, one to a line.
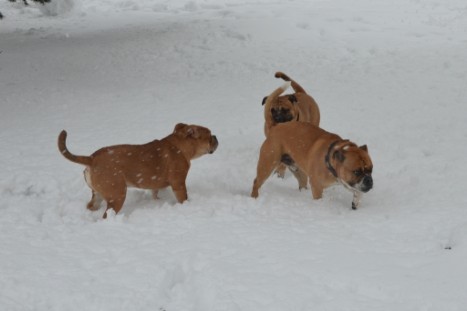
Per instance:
x=292, y=107
x=323, y=157
x=155, y=165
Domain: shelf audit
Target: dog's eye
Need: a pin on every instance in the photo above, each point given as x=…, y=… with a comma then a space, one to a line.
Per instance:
x=358, y=173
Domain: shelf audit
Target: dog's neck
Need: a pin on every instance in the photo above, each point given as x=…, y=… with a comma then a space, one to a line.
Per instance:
x=327, y=158
x=183, y=145
x=331, y=152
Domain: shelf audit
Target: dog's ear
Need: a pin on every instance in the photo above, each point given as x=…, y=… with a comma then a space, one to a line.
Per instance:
x=264, y=100
x=192, y=131
x=339, y=155
x=293, y=99
x=364, y=148
x=186, y=130
x=178, y=128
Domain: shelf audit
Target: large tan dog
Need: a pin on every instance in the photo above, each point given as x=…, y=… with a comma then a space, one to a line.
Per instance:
x=155, y=165
x=313, y=153
x=292, y=107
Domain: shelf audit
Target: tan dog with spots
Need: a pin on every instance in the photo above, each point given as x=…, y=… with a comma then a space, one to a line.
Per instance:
x=155, y=165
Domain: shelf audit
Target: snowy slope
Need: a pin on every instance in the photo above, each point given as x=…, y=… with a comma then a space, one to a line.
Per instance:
x=389, y=74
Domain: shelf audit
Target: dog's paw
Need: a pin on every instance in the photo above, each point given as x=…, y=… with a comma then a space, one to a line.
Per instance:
x=280, y=174
x=280, y=171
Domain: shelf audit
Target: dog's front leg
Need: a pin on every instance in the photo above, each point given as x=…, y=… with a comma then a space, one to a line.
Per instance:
x=180, y=192
x=357, y=195
x=316, y=187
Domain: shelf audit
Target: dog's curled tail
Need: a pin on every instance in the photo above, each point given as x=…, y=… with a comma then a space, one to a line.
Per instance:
x=67, y=154
x=297, y=88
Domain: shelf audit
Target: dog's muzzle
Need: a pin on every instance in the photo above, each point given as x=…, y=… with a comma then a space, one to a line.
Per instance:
x=281, y=115
x=214, y=143
x=366, y=184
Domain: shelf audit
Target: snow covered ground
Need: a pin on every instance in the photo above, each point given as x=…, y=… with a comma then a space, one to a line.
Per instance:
x=391, y=74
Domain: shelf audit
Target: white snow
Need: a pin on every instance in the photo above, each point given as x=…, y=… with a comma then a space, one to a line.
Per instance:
x=391, y=74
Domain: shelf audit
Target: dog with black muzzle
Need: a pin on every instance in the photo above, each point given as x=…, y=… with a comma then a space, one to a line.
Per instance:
x=298, y=106
x=322, y=157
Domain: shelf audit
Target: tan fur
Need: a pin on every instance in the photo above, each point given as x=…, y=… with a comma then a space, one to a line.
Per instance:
x=155, y=165
x=305, y=109
x=308, y=146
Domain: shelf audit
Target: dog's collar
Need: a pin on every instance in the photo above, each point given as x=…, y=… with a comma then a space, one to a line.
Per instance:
x=327, y=158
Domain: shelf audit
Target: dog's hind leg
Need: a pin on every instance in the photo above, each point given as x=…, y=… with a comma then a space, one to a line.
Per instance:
x=95, y=202
x=155, y=193
x=268, y=161
x=116, y=199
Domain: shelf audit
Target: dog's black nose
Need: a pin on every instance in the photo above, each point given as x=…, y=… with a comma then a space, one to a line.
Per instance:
x=367, y=183
x=281, y=115
x=282, y=118
x=214, y=144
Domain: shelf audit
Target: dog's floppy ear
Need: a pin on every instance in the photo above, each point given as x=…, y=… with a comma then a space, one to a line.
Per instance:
x=293, y=99
x=186, y=130
x=339, y=155
x=264, y=100
x=192, y=131
x=364, y=148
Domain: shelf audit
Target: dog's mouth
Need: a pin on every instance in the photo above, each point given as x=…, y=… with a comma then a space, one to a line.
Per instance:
x=364, y=185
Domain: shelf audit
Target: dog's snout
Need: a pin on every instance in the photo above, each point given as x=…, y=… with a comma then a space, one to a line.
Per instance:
x=367, y=183
x=281, y=115
x=214, y=143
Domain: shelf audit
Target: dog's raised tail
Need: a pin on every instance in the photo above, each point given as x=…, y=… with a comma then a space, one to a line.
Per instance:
x=297, y=88
x=276, y=93
x=67, y=154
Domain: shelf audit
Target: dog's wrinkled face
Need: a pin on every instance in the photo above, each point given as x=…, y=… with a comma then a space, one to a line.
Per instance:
x=283, y=109
x=354, y=167
x=201, y=138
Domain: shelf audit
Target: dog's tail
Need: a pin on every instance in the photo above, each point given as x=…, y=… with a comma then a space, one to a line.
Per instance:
x=67, y=154
x=297, y=88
